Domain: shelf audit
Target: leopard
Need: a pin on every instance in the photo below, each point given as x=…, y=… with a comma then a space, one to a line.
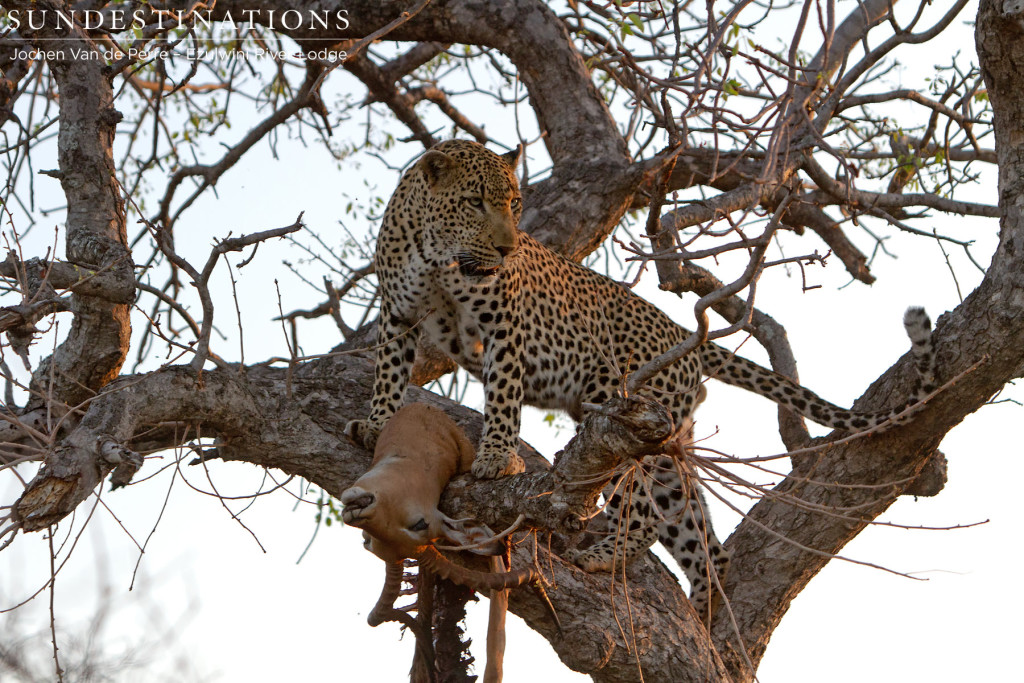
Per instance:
x=537, y=328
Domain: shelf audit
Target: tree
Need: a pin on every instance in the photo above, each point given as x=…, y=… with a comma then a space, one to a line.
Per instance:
x=693, y=126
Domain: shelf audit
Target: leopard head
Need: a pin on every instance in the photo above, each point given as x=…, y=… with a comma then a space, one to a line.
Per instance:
x=472, y=206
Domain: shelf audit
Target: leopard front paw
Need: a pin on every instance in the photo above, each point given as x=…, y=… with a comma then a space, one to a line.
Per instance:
x=362, y=433
x=499, y=464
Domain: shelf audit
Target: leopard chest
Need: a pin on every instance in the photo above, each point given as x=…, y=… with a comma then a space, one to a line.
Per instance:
x=456, y=315
x=456, y=329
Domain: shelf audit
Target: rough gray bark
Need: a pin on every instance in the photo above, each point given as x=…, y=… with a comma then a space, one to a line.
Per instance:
x=294, y=422
x=92, y=353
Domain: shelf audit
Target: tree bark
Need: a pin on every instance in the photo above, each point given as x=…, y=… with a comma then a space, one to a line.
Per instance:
x=95, y=348
x=295, y=422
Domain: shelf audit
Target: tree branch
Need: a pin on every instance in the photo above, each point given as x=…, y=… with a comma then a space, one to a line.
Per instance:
x=256, y=420
x=984, y=324
x=97, y=344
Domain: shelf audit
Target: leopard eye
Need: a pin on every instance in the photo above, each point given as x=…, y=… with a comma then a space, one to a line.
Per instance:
x=419, y=526
x=475, y=201
x=515, y=203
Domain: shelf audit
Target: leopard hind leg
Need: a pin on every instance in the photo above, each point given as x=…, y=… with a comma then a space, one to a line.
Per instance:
x=687, y=534
x=631, y=530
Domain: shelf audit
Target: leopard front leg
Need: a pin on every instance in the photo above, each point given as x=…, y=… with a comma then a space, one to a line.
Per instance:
x=396, y=352
x=503, y=390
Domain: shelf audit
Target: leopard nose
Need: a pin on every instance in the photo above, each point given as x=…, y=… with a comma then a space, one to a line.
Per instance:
x=505, y=250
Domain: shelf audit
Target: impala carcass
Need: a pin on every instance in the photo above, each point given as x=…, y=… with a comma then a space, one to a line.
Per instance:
x=395, y=503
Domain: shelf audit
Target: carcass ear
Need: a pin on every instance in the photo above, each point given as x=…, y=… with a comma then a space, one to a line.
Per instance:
x=512, y=158
x=438, y=168
x=467, y=532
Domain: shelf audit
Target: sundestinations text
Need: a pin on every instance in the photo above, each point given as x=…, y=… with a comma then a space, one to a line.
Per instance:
x=120, y=20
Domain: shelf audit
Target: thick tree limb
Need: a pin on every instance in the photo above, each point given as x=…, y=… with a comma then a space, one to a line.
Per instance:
x=768, y=572
x=97, y=344
x=101, y=284
x=294, y=423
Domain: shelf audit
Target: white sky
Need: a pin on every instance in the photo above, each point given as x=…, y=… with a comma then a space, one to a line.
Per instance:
x=246, y=615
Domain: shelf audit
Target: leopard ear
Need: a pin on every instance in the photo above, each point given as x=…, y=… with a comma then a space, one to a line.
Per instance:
x=512, y=158
x=438, y=167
